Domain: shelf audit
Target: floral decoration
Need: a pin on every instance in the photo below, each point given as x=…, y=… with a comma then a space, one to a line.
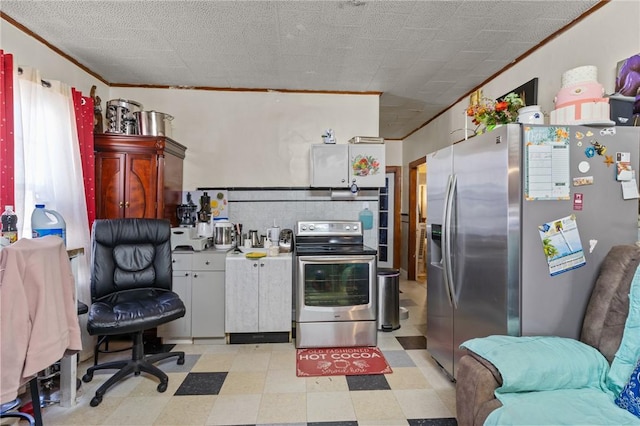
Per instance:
x=490, y=113
x=365, y=165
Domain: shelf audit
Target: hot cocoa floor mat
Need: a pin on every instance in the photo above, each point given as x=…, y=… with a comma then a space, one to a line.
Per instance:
x=340, y=362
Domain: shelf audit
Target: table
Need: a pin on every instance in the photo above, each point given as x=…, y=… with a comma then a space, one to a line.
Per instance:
x=69, y=363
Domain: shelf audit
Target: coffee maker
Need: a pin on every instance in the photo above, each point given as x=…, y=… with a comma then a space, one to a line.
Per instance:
x=185, y=235
x=187, y=213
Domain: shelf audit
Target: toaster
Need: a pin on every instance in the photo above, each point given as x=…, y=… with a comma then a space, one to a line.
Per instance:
x=286, y=240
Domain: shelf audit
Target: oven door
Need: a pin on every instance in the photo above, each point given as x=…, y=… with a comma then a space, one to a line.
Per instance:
x=336, y=288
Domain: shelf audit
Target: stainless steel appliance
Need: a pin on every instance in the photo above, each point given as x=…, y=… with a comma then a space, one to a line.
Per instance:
x=223, y=235
x=334, y=285
x=488, y=200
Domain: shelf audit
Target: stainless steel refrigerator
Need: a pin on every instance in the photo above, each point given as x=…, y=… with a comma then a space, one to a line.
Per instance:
x=491, y=202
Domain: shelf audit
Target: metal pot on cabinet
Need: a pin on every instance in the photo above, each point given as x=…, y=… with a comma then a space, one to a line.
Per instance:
x=153, y=123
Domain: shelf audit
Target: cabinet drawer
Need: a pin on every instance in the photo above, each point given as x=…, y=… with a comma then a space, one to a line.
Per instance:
x=208, y=261
x=181, y=261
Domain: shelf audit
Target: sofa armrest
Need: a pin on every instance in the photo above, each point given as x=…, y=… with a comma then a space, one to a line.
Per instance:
x=477, y=380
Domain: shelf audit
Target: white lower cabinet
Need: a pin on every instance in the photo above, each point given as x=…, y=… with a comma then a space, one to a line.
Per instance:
x=258, y=294
x=198, y=278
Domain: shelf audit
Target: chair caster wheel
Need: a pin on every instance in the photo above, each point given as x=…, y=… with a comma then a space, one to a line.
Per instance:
x=180, y=360
x=162, y=387
x=87, y=378
x=95, y=401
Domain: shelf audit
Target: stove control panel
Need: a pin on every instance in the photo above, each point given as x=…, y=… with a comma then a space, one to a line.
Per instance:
x=328, y=227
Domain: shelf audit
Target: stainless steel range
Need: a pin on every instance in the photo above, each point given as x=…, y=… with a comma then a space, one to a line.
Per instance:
x=334, y=279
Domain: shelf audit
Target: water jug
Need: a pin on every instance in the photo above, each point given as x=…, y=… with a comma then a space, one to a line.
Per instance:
x=47, y=222
x=366, y=217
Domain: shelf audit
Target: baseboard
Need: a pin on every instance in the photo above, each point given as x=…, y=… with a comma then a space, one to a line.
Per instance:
x=270, y=337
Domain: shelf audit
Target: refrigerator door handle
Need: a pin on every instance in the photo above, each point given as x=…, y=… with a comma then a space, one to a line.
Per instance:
x=447, y=230
x=446, y=222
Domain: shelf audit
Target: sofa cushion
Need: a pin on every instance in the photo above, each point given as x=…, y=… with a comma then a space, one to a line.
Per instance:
x=586, y=406
x=629, y=398
x=549, y=362
x=627, y=355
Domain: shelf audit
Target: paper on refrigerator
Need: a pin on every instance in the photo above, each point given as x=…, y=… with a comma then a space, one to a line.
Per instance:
x=561, y=245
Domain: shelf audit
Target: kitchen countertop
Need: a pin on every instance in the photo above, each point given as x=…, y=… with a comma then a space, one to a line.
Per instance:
x=237, y=255
x=207, y=250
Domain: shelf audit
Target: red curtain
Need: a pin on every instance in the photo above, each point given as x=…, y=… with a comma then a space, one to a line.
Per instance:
x=84, y=122
x=6, y=130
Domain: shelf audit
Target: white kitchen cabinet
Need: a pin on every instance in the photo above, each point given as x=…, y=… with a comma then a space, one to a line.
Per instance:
x=198, y=278
x=207, y=294
x=258, y=294
x=341, y=165
x=181, y=327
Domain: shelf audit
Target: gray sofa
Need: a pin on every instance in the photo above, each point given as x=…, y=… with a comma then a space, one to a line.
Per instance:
x=602, y=328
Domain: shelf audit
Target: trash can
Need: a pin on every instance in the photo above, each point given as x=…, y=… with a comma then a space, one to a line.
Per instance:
x=388, y=299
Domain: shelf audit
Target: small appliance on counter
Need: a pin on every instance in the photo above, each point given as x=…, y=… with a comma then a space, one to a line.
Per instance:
x=204, y=226
x=186, y=213
x=186, y=237
x=286, y=240
x=223, y=235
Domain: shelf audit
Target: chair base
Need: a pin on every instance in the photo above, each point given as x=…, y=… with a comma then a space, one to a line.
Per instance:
x=10, y=409
x=139, y=363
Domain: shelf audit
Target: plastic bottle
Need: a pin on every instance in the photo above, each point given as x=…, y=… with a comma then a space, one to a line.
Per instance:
x=366, y=217
x=47, y=222
x=9, y=224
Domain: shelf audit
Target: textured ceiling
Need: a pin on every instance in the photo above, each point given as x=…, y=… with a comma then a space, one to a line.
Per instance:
x=421, y=55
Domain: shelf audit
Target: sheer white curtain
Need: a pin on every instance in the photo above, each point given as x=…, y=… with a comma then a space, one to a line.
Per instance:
x=48, y=169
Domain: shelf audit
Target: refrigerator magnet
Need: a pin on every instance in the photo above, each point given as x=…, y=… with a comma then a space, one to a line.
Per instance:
x=584, y=166
x=583, y=180
x=590, y=152
x=577, y=201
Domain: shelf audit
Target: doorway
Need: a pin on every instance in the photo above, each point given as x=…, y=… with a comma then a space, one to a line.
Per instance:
x=416, y=270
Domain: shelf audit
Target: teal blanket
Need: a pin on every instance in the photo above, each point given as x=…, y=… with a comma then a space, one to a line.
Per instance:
x=553, y=380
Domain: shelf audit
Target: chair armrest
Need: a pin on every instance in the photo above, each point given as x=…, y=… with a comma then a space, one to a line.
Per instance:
x=477, y=380
x=551, y=362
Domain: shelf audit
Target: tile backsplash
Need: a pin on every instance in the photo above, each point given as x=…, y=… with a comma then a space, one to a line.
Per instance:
x=261, y=208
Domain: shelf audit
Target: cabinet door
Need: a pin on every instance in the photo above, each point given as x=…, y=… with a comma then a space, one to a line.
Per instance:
x=275, y=292
x=180, y=327
x=126, y=185
x=329, y=166
x=241, y=295
x=207, y=304
x=110, y=175
x=367, y=165
x=141, y=186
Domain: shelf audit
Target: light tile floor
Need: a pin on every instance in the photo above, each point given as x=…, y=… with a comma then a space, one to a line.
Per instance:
x=256, y=384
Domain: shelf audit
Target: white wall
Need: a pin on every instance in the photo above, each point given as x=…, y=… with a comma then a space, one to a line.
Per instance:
x=604, y=38
x=254, y=139
x=393, y=152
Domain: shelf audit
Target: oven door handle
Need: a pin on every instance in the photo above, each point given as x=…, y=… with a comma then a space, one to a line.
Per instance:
x=337, y=258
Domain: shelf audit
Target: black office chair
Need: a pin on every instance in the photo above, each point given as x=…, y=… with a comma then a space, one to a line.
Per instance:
x=131, y=292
